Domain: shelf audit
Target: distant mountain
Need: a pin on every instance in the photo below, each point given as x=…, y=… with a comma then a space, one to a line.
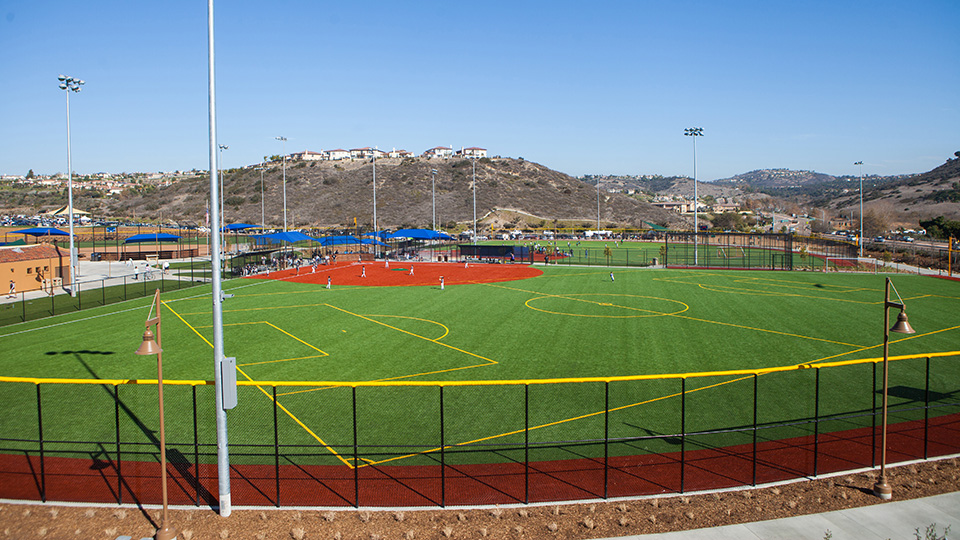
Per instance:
x=776, y=178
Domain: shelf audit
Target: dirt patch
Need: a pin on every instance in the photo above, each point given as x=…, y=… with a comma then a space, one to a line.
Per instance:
x=574, y=521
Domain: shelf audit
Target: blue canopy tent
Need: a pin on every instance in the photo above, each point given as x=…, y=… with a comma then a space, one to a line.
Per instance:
x=42, y=231
x=339, y=240
x=238, y=227
x=151, y=237
x=373, y=241
x=420, y=234
x=280, y=237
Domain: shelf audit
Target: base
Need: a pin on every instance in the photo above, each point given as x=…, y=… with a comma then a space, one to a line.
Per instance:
x=883, y=490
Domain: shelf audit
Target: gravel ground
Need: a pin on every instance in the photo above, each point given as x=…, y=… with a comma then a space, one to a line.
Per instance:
x=567, y=521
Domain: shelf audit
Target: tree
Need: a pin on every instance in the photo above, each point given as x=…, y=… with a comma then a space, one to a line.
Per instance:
x=30, y=174
x=941, y=227
x=728, y=221
x=875, y=223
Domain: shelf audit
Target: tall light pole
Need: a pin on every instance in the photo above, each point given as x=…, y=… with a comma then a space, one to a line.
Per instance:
x=695, y=132
x=263, y=219
x=217, y=296
x=433, y=176
x=860, y=238
x=598, y=206
x=474, y=201
x=220, y=174
x=284, y=141
x=376, y=232
x=70, y=85
x=149, y=347
x=881, y=488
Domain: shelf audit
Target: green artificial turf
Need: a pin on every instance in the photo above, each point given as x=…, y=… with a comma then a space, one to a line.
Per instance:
x=571, y=322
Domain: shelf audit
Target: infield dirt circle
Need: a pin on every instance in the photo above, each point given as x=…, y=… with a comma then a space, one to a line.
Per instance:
x=398, y=274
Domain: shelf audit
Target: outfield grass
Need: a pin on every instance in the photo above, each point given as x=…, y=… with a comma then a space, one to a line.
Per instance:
x=570, y=322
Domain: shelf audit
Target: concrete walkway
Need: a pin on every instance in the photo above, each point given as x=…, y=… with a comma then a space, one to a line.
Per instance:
x=896, y=520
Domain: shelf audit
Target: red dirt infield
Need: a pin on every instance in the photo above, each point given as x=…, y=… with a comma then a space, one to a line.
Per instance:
x=398, y=273
x=300, y=479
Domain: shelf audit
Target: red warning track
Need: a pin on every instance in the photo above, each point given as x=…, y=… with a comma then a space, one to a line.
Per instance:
x=303, y=477
x=399, y=274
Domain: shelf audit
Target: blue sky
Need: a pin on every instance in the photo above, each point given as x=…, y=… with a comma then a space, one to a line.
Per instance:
x=602, y=87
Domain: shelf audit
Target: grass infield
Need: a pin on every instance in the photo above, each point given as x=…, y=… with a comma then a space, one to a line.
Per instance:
x=489, y=323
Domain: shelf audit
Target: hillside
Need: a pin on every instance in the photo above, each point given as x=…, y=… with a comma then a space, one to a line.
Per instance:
x=333, y=194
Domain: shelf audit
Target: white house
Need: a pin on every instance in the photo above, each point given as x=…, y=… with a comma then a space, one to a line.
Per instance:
x=439, y=151
x=307, y=155
x=365, y=152
x=473, y=151
x=399, y=153
x=336, y=155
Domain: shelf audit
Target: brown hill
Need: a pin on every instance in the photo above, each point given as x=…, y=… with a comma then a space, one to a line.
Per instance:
x=333, y=194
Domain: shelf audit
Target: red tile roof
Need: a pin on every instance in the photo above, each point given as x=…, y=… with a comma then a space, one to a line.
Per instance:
x=30, y=253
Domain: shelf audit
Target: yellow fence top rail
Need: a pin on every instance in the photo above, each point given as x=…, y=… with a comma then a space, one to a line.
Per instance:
x=622, y=378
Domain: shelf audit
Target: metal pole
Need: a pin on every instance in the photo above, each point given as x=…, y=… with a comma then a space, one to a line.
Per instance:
x=433, y=175
x=165, y=532
x=860, y=238
x=474, y=202
x=695, y=132
x=69, y=84
x=263, y=219
x=375, y=229
x=223, y=456
x=598, y=206
x=222, y=147
x=882, y=489
x=284, y=141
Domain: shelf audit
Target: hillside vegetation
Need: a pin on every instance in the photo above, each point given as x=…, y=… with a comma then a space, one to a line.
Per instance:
x=333, y=194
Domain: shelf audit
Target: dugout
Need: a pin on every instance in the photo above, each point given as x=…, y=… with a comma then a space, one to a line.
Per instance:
x=494, y=252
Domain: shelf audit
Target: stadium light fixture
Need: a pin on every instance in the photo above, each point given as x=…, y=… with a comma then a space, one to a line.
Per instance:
x=695, y=132
x=70, y=84
x=149, y=347
x=860, y=238
x=284, y=141
x=882, y=489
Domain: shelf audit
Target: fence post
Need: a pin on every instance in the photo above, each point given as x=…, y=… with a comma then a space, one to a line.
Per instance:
x=23, y=305
x=926, y=409
x=356, y=457
x=873, y=420
x=754, y=481
x=443, y=462
x=53, y=305
x=196, y=445
x=43, y=476
x=526, y=443
x=103, y=292
x=124, y=287
x=606, y=436
x=116, y=423
x=816, y=421
x=276, y=445
x=683, y=429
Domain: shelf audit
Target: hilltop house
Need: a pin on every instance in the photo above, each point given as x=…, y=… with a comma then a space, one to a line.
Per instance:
x=473, y=151
x=439, y=151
